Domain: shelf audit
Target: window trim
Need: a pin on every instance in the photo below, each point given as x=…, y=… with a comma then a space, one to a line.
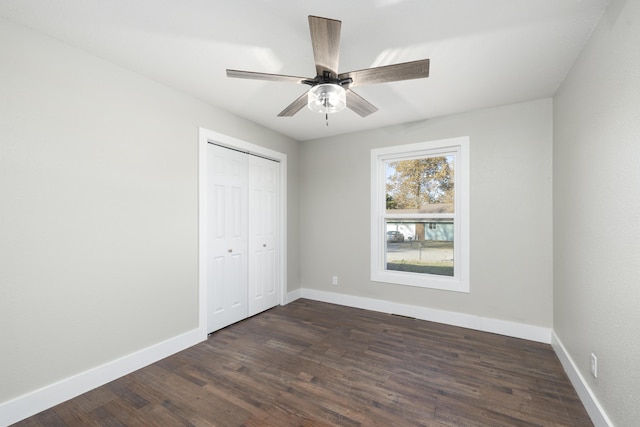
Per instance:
x=460, y=281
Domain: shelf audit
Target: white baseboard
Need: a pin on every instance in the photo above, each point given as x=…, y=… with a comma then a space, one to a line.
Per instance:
x=31, y=403
x=502, y=327
x=594, y=409
x=293, y=295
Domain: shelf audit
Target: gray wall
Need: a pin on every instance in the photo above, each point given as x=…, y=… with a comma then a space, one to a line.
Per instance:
x=511, y=232
x=597, y=211
x=99, y=209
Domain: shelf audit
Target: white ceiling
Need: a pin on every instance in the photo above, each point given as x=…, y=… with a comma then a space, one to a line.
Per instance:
x=483, y=52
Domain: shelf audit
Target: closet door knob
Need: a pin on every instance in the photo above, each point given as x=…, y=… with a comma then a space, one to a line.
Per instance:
x=264, y=245
x=230, y=250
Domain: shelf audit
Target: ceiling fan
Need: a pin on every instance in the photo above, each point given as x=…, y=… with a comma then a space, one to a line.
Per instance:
x=331, y=91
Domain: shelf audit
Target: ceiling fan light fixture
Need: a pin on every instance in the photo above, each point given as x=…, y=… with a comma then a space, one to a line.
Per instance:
x=327, y=98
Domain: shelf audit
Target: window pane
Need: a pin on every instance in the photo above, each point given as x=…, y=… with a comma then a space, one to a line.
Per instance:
x=423, y=185
x=420, y=246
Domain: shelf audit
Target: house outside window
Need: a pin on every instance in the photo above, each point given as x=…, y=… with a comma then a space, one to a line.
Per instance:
x=420, y=214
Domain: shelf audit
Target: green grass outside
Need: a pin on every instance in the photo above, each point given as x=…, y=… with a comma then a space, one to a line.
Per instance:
x=416, y=267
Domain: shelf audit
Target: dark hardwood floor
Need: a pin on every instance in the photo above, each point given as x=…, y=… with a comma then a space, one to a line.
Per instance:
x=316, y=364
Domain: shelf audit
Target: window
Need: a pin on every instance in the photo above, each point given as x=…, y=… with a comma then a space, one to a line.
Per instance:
x=420, y=214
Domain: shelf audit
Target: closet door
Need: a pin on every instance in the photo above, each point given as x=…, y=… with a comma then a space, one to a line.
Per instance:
x=264, y=251
x=227, y=263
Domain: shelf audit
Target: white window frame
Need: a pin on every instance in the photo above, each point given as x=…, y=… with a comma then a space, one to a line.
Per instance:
x=379, y=273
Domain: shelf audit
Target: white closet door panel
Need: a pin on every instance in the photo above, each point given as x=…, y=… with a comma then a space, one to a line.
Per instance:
x=216, y=274
x=263, y=232
x=227, y=251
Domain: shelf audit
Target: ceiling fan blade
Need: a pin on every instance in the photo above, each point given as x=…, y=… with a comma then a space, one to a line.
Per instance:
x=388, y=73
x=295, y=106
x=325, y=39
x=360, y=105
x=265, y=76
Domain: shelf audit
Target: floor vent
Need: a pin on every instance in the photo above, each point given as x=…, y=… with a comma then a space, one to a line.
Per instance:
x=404, y=317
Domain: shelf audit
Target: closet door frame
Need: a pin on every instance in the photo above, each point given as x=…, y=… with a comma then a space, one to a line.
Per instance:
x=207, y=136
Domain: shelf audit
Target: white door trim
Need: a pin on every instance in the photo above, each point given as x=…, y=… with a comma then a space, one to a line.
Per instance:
x=205, y=136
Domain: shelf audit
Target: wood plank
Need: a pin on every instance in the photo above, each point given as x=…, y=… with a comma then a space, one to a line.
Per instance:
x=316, y=364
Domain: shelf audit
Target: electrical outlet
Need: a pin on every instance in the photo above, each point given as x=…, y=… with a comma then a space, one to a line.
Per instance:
x=594, y=365
x=334, y=280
